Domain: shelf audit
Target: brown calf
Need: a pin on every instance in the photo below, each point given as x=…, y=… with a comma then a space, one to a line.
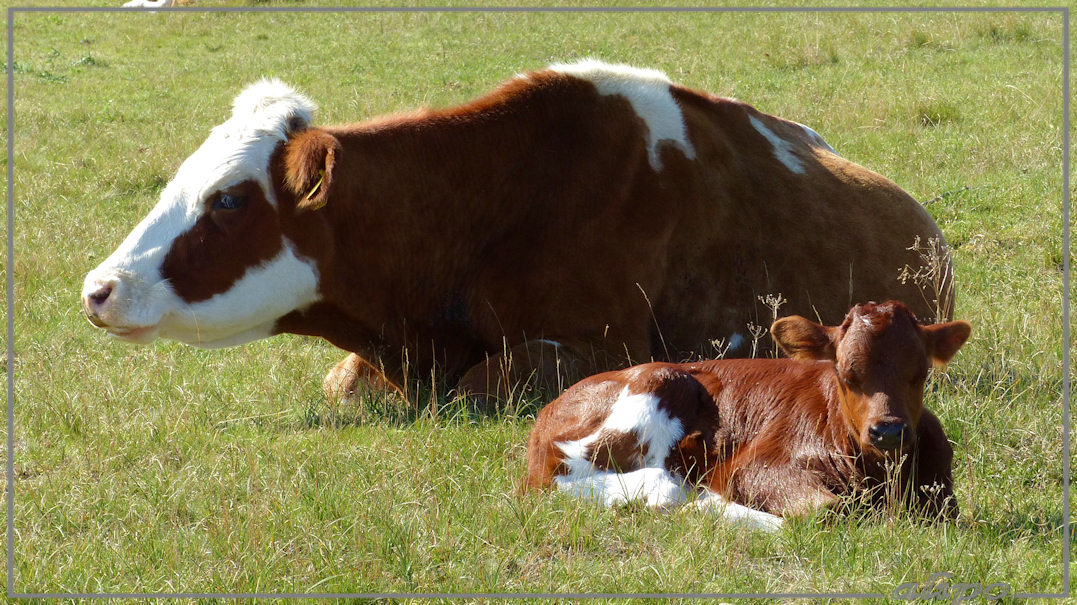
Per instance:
x=781, y=436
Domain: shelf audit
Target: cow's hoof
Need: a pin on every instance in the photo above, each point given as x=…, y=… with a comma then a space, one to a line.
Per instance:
x=342, y=381
x=354, y=377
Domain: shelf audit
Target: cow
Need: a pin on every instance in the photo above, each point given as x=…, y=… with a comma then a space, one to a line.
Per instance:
x=839, y=423
x=577, y=219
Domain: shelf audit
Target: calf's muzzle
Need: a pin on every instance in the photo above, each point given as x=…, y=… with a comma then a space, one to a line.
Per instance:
x=889, y=436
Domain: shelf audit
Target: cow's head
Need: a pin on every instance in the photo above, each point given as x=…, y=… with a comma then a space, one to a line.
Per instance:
x=214, y=263
x=882, y=356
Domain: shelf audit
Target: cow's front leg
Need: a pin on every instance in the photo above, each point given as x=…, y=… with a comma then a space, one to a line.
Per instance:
x=536, y=367
x=355, y=377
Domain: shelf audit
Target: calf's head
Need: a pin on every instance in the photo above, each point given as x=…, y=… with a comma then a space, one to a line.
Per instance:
x=215, y=262
x=882, y=356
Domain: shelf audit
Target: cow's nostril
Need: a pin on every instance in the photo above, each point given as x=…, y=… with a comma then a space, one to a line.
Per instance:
x=100, y=295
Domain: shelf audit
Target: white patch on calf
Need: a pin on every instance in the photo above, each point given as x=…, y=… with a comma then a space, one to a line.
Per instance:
x=638, y=414
x=656, y=487
x=732, y=512
x=655, y=428
x=652, y=484
x=783, y=150
x=648, y=92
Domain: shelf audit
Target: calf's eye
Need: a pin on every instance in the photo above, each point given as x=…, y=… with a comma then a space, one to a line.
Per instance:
x=227, y=201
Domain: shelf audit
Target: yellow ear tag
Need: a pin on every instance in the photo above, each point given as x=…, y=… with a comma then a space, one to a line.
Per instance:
x=313, y=190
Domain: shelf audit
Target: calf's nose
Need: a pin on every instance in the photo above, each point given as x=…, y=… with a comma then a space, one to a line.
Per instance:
x=889, y=435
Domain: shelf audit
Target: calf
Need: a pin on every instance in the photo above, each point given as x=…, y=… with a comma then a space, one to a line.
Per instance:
x=763, y=438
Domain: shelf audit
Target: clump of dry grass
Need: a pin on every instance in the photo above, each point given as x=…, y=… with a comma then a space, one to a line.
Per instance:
x=934, y=276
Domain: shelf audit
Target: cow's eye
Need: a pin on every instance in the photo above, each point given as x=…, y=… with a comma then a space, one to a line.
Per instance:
x=227, y=201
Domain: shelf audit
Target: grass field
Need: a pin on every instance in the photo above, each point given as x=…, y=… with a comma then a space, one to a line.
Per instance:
x=170, y=469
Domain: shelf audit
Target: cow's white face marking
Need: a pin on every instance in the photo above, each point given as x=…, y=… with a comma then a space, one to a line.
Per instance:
x=648, y=92
x=141, y=304
x=783, y=150
x=250, y=308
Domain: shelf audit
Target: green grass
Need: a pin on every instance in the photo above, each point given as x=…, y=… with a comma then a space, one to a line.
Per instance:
x=171, y=469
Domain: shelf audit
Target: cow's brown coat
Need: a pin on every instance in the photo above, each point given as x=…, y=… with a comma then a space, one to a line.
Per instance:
x=529, y=233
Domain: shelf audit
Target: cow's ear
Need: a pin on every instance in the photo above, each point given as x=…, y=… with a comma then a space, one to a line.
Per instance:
x=309, y=159
x=944, y=340
x=801, y=338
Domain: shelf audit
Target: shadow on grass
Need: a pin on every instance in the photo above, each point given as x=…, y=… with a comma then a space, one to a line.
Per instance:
x=425, y=403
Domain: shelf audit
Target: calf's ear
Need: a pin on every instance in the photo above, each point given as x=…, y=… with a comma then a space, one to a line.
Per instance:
x=801, y=338
x=309, y=158
x=943, y=340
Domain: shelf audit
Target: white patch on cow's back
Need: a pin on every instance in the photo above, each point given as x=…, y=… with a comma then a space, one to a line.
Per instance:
x=783, y=150
x=816, y=138
x=648, y=92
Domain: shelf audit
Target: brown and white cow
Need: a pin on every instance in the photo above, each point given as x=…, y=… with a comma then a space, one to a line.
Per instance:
x=761, y=439
x=573, y=220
